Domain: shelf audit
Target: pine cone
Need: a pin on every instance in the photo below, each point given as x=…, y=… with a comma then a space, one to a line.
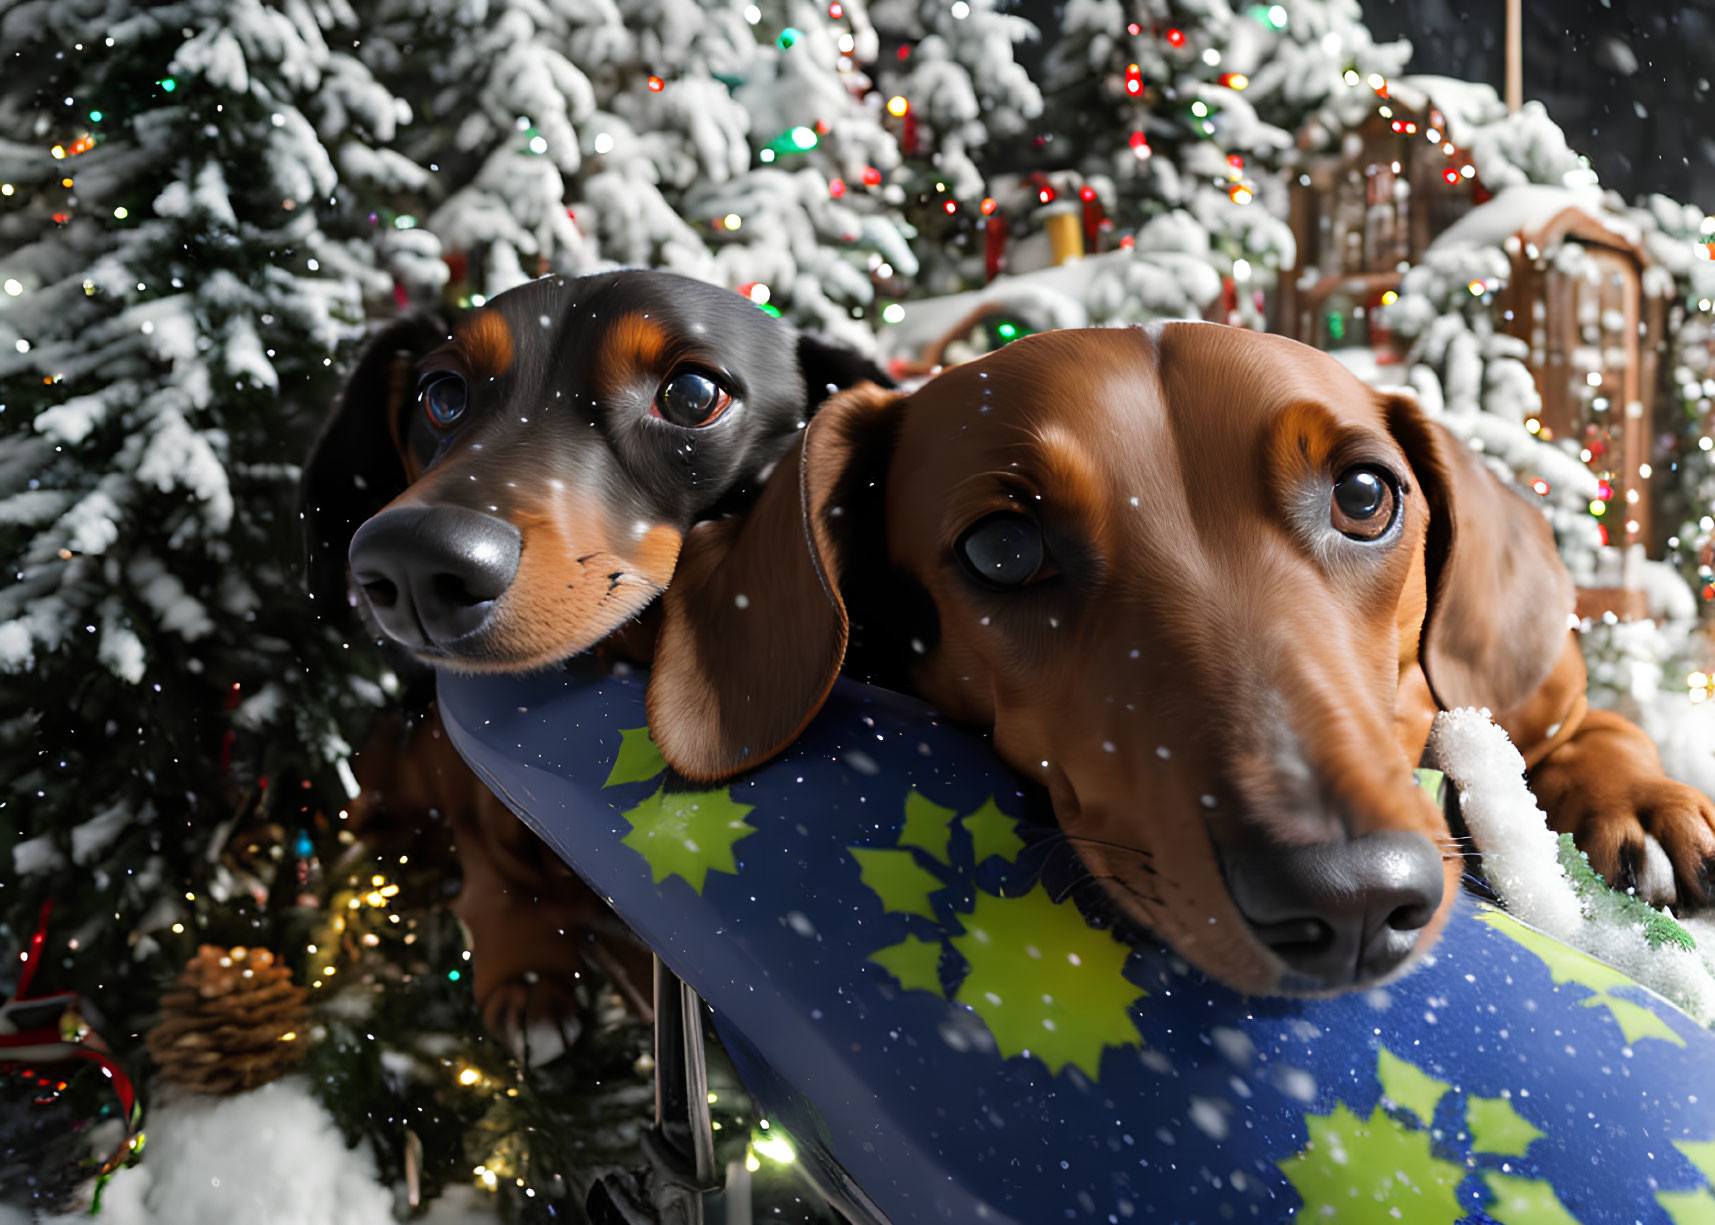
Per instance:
x=232, y=1020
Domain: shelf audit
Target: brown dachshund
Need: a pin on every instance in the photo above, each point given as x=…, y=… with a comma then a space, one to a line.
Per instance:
x=512, y=489
x=1209, y=590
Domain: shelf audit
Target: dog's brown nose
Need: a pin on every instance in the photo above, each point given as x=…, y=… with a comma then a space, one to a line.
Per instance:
x=1339, y=914
x=432, y=573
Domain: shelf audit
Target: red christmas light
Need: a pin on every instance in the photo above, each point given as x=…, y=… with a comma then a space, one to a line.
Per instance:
x=656, y=85
x=989, y=205
x=1236, y=161
x=1176, y=37
x=1134, y=29
x=836, y=10
x=1127, y=243
x=1540, y=486
x=1086, y=193
x=904, y=52
x=871, y=176
x=1139, y=140
x=1397, y=126
x=1045, y=194
x=1604, y=490
x=1451, y=175
x=951, y=207
x=836, y=188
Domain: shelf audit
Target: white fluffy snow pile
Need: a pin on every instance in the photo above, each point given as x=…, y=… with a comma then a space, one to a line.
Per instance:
x=272, y=1156
x=1523, y=862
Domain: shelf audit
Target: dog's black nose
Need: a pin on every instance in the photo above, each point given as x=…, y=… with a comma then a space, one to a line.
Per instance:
x=432, y=573
x=1339, y=914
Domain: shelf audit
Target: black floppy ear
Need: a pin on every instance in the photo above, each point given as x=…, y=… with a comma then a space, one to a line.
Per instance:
x=356, y=465
x=753, y=627
x=1500, y=599
x=829, y=366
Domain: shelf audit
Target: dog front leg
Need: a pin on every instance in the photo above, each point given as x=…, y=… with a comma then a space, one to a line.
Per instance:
x=1598, y=777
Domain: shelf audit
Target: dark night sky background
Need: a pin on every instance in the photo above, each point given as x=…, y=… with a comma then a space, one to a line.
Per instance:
x=1632, y=82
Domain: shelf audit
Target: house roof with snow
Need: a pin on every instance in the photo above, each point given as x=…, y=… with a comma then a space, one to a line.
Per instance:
x=1543, y=216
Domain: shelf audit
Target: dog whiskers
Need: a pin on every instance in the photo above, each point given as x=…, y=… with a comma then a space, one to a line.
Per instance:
x=1130, y=888
x=1141, y=856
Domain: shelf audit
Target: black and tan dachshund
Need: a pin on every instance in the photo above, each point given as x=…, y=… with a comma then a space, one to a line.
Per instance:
x=511, y=489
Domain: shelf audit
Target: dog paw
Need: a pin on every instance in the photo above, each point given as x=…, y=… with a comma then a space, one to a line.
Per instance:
x=537, y=1018
x=1659, y=844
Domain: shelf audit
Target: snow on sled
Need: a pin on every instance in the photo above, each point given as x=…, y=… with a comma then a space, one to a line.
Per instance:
x=897, y=963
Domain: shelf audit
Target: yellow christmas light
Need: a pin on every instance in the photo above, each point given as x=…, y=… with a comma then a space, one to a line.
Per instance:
x=898, y=105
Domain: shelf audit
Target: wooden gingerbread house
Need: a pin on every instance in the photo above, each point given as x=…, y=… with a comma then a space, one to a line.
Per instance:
x=1581, y=295
x=1362, y=213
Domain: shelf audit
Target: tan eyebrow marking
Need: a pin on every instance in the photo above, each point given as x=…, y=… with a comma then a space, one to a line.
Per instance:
x=485, y=342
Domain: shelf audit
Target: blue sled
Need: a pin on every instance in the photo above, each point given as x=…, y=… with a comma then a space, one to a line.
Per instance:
x=899, y=962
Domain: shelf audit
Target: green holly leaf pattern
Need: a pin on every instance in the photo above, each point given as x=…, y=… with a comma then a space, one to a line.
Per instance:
x=1497, y=1128
x=992, y=833
x=1045, y=982
x=1700, y=1153
x=1359, y=1171
x=1409, y=1086
x=928, y=826
x=687, y=833
x=1564, y=962
x=1433, y=782
x=900, y=882
x=638, y=760
x=1635, y=1021
x=1568, y=965
x=1687, y=1207
x=1525, y=1201
x=915, y=963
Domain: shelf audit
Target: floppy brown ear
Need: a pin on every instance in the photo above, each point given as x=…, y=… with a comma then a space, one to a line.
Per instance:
x=1499, y=595
x=753, y=629
x=356, y=466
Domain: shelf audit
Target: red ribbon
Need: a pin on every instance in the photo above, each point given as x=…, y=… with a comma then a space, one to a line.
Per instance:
x=47, y=1043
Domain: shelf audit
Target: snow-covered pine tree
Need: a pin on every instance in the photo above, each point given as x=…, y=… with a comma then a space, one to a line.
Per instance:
x=173, y=302
x=1196, y=107
x=726, y=141
x=180, y=263
x=1679, y=237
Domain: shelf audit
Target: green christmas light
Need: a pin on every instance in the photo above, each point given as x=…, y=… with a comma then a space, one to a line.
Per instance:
x=168, y=84
x=791, y=142
x=789, y=37
x=1007, y=330
x=95, y=116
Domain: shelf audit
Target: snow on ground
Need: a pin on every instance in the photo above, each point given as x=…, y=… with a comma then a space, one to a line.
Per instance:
x=269, y=1157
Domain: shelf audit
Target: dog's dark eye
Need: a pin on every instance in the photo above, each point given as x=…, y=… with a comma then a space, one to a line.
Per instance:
x=443, y=399
x=1363, y=503
x=690, y=398
x=1004, y=550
